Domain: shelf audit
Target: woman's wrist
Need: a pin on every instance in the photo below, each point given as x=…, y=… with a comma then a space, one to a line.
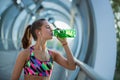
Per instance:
x=65, y=43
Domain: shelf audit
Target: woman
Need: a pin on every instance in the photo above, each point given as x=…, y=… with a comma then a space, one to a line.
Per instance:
x=37, y=60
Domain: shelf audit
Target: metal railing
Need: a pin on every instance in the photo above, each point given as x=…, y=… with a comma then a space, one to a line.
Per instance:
x=89, y=71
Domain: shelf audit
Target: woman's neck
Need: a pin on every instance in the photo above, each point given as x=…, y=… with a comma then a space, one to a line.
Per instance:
x=40, y=45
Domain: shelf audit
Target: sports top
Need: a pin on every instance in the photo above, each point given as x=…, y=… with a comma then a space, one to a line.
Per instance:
x=34, y=66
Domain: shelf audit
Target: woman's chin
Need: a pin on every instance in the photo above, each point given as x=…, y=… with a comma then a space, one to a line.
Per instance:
x=51, y=37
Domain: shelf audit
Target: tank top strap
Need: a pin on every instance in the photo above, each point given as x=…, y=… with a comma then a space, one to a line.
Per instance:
x=31, y=49
x=50, y=53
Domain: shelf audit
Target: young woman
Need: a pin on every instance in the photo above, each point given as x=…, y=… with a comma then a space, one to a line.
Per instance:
x=37, y=60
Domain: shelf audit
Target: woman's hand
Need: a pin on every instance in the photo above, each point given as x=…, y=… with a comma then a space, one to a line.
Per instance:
x=62, y=40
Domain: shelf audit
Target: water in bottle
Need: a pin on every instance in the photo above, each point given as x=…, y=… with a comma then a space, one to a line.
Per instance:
x=65, y=33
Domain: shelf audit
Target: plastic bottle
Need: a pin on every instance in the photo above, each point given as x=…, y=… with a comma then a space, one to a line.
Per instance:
x=65, y=33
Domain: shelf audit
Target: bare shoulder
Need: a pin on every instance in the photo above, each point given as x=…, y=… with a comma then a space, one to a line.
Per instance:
x=24, y=53
x=54, y=53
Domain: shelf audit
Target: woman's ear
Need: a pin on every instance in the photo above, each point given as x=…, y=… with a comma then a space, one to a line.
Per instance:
x=37, y=32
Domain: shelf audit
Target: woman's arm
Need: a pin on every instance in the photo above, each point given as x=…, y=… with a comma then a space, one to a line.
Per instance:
x=68, y=62
x=19, y=65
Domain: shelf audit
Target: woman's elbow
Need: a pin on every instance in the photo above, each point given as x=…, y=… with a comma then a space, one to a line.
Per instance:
x=73, y=67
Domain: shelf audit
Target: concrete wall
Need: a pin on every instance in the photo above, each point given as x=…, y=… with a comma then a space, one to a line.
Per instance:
x=106, y=39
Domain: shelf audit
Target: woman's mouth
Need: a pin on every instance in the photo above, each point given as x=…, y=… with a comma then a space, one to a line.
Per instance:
x=52, y=34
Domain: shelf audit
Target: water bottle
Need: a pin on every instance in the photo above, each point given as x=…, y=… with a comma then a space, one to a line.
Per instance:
x=64, y=33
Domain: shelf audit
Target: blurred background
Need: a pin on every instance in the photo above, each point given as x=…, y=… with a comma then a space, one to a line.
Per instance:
x=116, y=10
x=96, y=47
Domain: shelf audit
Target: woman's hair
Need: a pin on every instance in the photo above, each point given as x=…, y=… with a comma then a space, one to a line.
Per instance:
x=30, y=32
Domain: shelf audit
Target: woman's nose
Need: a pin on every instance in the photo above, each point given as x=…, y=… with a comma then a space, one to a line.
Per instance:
x=51, y=30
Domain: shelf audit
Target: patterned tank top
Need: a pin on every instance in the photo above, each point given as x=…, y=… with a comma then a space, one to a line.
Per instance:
x=36, y=67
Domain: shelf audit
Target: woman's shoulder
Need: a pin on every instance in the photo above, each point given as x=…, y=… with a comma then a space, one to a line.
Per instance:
x=25, y=52
x=53, y=52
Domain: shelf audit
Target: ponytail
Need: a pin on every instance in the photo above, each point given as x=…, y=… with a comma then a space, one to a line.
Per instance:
x=27, y=37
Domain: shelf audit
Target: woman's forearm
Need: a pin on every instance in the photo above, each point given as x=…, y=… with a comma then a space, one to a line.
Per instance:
x=70, y=58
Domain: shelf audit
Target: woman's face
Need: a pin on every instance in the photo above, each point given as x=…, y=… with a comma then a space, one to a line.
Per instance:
x=46, y=31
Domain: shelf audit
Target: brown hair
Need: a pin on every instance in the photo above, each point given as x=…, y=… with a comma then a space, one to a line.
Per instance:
x=30, y=32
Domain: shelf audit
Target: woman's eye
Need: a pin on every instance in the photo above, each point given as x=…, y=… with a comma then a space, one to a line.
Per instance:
x=47, y=27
